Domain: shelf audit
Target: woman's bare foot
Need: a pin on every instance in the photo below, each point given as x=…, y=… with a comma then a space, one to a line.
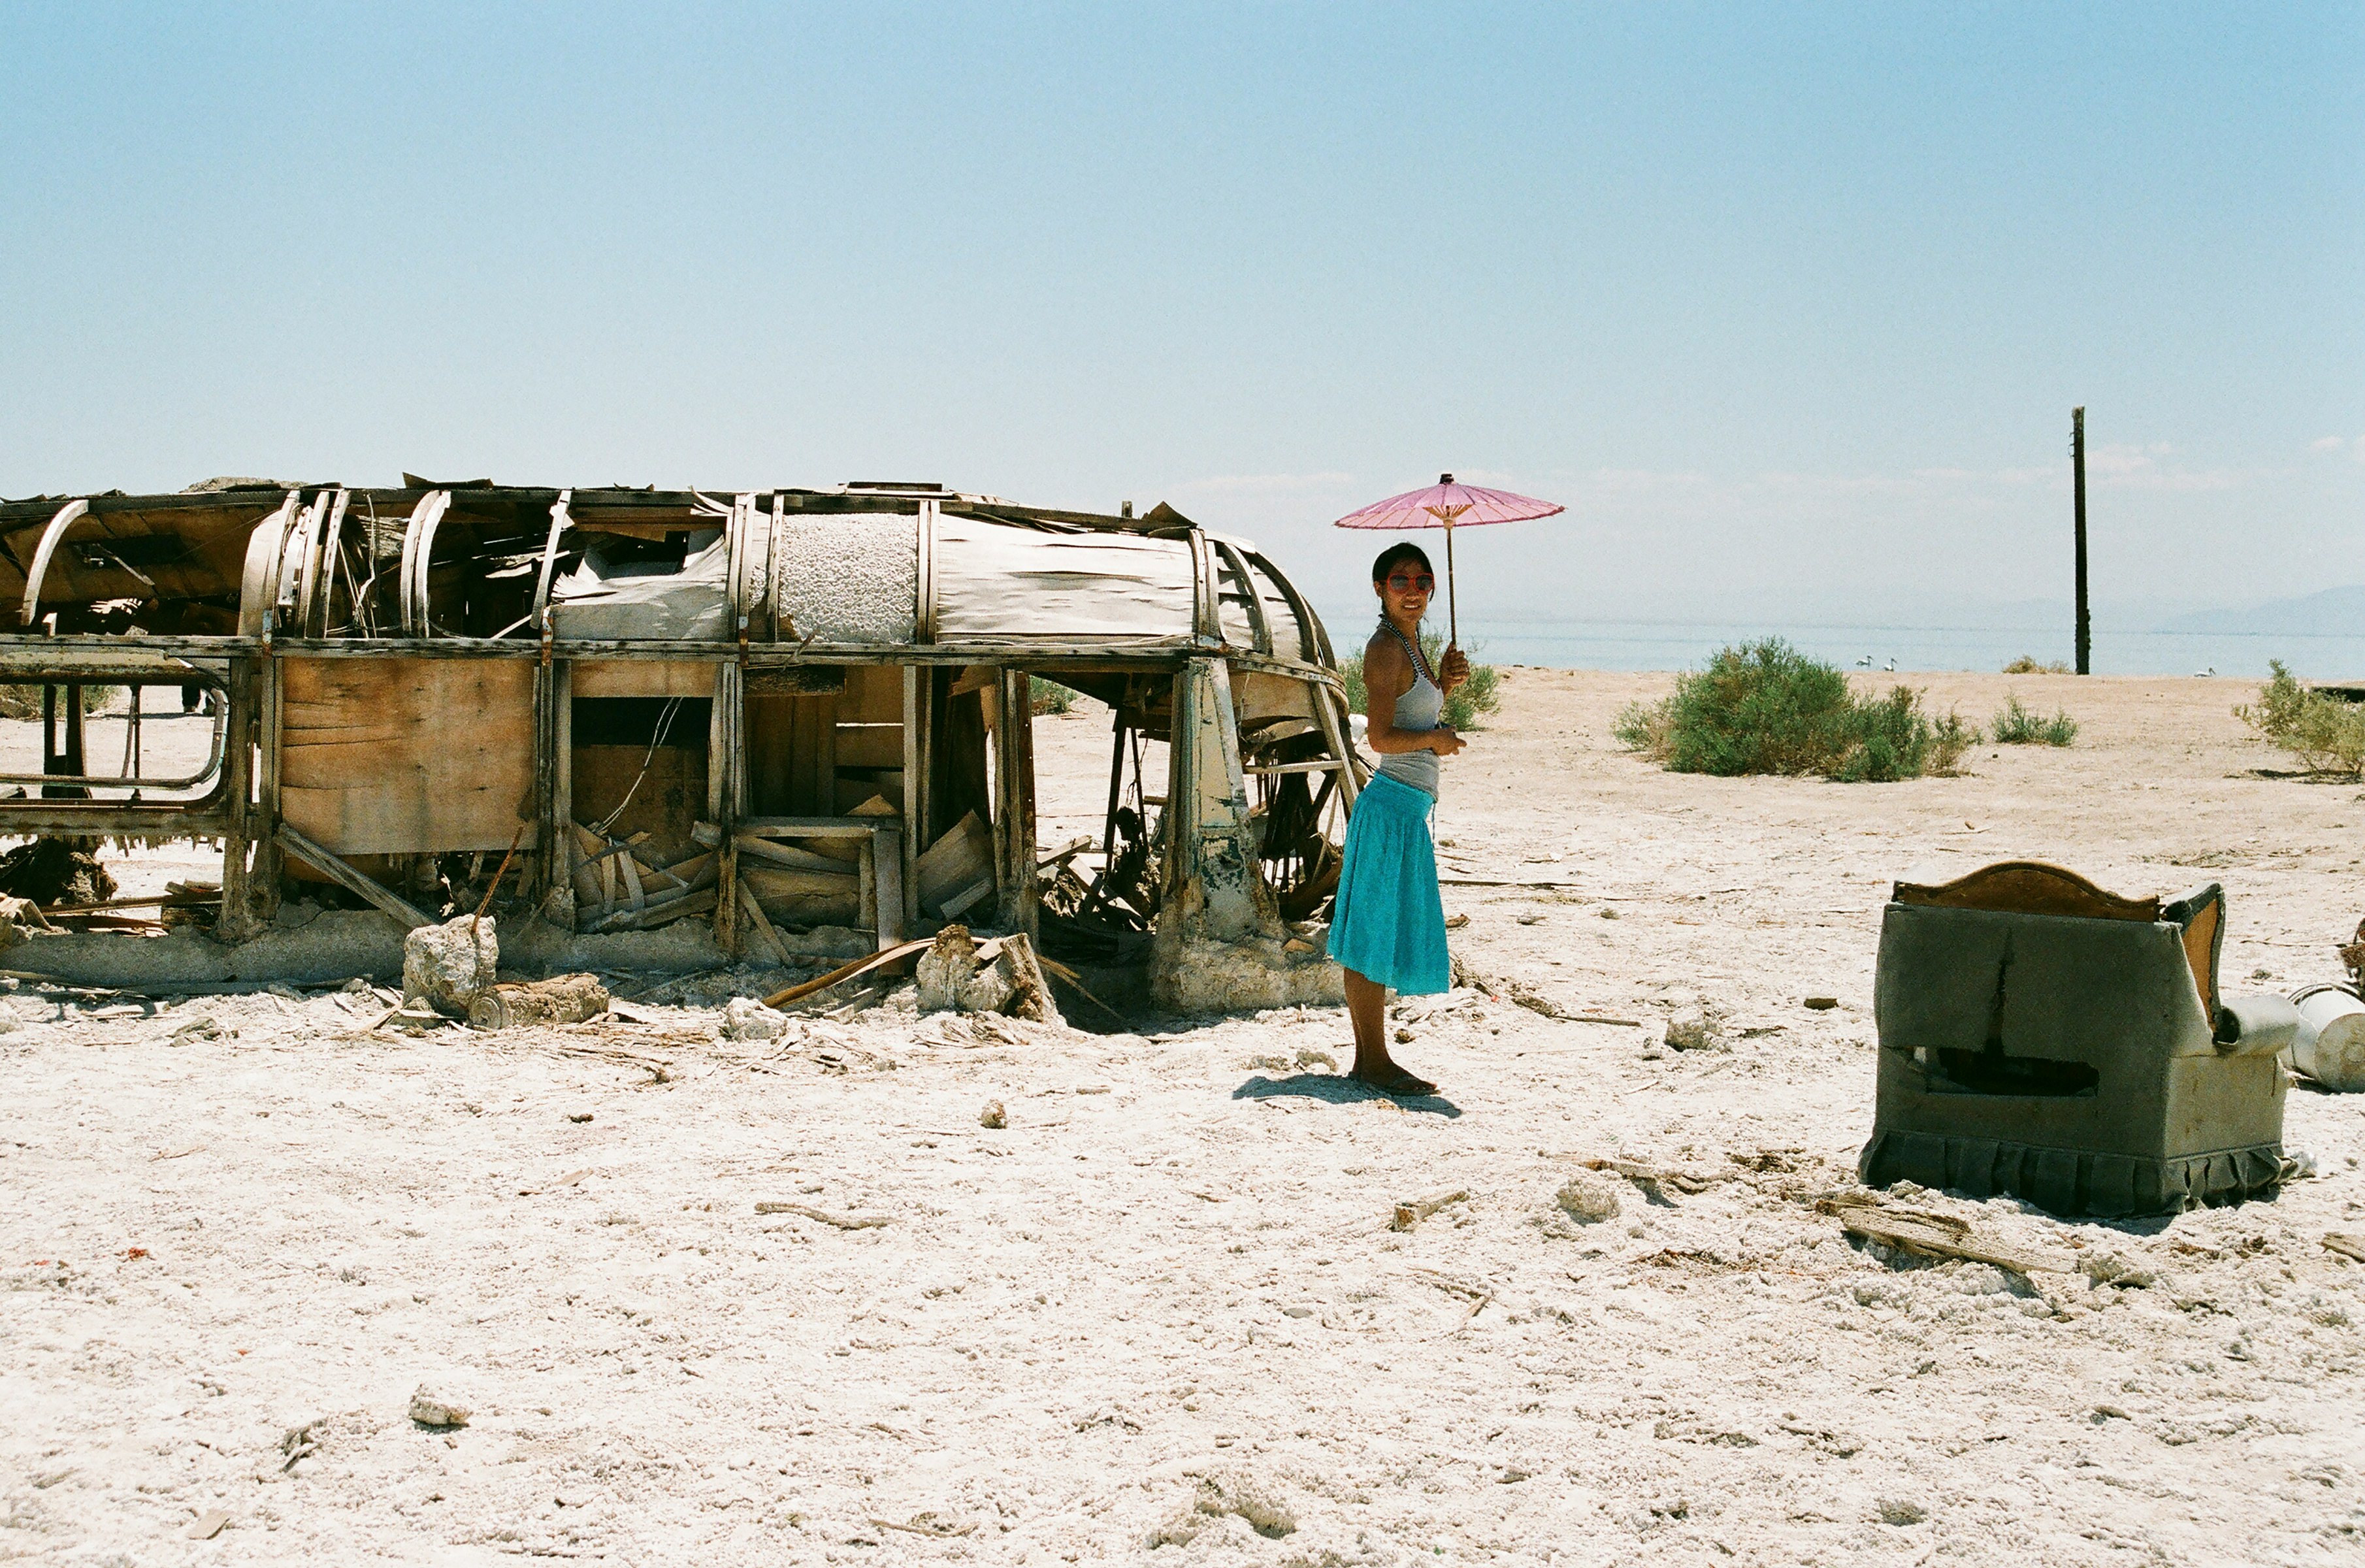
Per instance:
x=1393, y=1080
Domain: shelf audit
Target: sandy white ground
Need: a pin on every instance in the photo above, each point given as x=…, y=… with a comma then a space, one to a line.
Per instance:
x=1169, y=1286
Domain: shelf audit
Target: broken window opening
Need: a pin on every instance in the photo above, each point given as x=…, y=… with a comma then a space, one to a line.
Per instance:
x=87, y=739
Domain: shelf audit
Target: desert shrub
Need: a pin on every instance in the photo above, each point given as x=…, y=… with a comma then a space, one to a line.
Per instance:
x=1049, y=696
x=1468, y=704
x=25, y=701
x=2323, y=733
x=1764, y=707
x=2027, y=664
x=1949, y=739
x=2016, y=725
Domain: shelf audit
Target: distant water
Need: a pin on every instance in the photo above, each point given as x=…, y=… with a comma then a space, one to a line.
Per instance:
x=1661, y=644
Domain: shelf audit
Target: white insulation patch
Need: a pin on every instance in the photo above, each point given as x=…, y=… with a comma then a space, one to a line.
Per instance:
x=849, y=577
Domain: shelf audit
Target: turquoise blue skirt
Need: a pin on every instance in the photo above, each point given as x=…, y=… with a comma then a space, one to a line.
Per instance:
x=1387, y=924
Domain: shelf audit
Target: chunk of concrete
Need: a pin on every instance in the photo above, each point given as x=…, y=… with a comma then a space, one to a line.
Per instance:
x=449, y=966
x=568, y=999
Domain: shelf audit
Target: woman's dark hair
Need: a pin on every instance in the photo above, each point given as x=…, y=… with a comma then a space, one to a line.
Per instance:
x=1395, y=556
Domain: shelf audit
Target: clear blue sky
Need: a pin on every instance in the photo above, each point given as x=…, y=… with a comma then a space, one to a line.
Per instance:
x=1788, y=303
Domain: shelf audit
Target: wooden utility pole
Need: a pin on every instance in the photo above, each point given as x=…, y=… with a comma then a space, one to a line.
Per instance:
x=2078, y=480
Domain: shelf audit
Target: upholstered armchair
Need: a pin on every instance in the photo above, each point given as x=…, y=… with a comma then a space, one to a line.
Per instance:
x=2044, y=1039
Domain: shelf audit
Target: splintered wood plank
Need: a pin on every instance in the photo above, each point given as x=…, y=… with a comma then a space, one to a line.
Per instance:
x=393, y=756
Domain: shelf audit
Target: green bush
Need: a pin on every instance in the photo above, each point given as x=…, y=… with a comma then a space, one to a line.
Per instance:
x=2323, y=733
x=1049, y=696
x=1949, y=739
x=1468, y=704
x=1764, y=707
x=24, y=702
x=2016, y=725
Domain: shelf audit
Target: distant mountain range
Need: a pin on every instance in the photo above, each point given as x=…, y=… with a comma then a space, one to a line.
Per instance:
x=2330, y=612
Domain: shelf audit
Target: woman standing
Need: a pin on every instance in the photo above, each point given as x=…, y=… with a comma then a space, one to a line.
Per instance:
x=1387, y=926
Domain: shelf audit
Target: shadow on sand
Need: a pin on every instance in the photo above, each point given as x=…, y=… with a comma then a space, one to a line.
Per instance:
x=1336, y=1089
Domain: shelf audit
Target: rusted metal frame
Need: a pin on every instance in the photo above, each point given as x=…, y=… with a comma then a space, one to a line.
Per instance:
x=213, y=764
x=1275, y=769
x=18, y=650
x=66, y=517
x=1260, y=625
x=287, y=840
x=417, y=551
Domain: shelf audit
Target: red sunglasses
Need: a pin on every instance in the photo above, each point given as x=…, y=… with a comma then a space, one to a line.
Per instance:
x=1418, y=582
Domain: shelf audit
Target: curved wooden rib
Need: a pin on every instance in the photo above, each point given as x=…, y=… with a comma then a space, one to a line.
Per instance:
x=295, y=551
x=770, y=596
x=258, y=584
x=317, y=577
x=418, y=549
x=56, y=531
x=1314, y=642
x=2028, y=886
x=559, y=521
x=923, y=608
x=1259, y=625
x=734, y=562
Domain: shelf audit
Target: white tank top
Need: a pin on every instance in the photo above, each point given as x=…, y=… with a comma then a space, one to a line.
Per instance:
x=1418, y=709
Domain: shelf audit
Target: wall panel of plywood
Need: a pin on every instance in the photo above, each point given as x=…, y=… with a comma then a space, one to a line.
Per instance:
x=398, y=757
x=642, y=678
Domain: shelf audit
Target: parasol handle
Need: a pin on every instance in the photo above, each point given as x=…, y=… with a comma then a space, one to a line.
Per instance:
x=1453, y=614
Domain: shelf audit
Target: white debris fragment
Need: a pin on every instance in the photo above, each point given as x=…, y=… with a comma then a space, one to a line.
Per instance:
x=744, y=1018
x=1589, y=1197
x=1693, y=1028
x=432, y=1410
x=2104, y=1267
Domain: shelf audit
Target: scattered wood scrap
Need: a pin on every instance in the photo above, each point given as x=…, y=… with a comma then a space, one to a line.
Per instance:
x=2349, y=1247
x=1412, y=1214
x=1651, y=1177
x=1932, y=1234
x=873, y=963
x=843, y=1222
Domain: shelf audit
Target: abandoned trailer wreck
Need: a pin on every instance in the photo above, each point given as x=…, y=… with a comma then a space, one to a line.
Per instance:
x=768, y=727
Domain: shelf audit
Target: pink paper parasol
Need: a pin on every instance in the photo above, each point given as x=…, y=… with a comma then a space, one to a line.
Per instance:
x=1449, y=505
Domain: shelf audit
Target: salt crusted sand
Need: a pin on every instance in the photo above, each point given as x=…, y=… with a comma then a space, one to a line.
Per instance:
x=1165, y=1303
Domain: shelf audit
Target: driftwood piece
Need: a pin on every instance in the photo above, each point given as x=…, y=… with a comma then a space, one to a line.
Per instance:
x=1648, y=1176
x=1407, y=1216
x=2349, y=1247
x=873, y=964
x=1932, y=1234
x=843, y=1222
